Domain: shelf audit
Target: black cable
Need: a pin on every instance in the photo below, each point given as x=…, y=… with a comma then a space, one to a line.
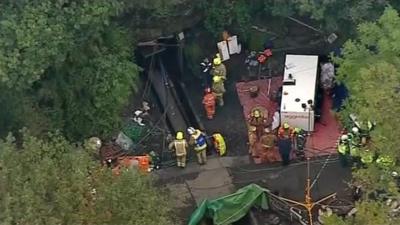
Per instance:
x=166, y=92
x=147, y=85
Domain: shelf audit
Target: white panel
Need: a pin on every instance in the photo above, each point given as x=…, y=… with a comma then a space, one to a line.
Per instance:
x=223, y=50
x=304, y=70
x=233, y=45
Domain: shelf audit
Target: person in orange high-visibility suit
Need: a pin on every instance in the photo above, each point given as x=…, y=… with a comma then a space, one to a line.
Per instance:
x=285, y=131
x=209, y=103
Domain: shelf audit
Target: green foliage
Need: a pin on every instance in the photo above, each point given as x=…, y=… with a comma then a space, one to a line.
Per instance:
x=368, y=213
x=217, y=16
x=280, y=7
x=221, y=15
x=256, y=40
x=370, y=69
x=242, y=18
x=54, y=182
x=69, y=62
x=334, y=15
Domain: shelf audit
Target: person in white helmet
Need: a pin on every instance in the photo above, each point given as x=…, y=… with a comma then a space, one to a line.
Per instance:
x=343, y=150
x=198, y=138
x=355, y=143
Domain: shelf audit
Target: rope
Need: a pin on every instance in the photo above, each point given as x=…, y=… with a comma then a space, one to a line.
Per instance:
x=320, y=171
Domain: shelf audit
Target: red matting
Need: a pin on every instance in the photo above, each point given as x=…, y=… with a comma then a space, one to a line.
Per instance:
x=323, y=140
x=263, y=98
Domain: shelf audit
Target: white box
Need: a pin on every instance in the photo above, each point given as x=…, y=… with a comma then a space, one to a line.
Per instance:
x=233, y=45
x=303, y=69
x=223, y=50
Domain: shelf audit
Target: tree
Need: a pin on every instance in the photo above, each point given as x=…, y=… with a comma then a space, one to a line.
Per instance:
x=221, y=14
x=68, y=61
x=51, y=181
x=334, y=15
x=370, y=68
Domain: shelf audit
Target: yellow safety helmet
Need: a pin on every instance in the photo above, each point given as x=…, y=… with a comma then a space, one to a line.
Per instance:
x=286, y=125
x=217, y=61
x=179, y=135
x=256, y=113
x=216, y=78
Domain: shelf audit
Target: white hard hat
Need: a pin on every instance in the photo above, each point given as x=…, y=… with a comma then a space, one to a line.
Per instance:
x=354, y=130
x=344, y=137
x=191, y=130
x=95, y=142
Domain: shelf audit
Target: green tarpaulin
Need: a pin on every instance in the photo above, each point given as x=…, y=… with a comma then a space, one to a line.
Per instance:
x=231, y=208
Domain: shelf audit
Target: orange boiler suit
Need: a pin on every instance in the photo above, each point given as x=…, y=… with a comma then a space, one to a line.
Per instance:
x=209, y=104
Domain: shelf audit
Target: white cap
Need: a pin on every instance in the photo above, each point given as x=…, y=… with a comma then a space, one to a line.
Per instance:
x=344, y=137
x=354, y=130
x=191, y=130
x=138, y=112
x=95, y=142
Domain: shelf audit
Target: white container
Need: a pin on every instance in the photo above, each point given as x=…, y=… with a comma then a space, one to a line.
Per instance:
x=300, y=90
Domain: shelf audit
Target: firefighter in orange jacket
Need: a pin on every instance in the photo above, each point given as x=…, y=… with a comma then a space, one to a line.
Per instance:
x=209, y=103
x=285, y=134
x=285, y=131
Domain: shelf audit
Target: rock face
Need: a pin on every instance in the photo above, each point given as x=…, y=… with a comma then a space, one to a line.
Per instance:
x=154, y=18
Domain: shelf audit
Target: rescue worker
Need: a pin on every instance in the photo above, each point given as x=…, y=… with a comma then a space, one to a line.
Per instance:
x=94, y=144
x=218, y=89
x=385, y=162
x=300, y=138
x=252, y=140
x=285, y=134
x=218, y=69
x=198, y=139
x=285, y=148
x=285, y=131
x=268, y=141
x=219, y=144
x=180, y=146
x=365, y=130
x=258, y=120
x=354, y=137
x=206, y=67
x=209, y=103
x=344, y=150
x=367, y=157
